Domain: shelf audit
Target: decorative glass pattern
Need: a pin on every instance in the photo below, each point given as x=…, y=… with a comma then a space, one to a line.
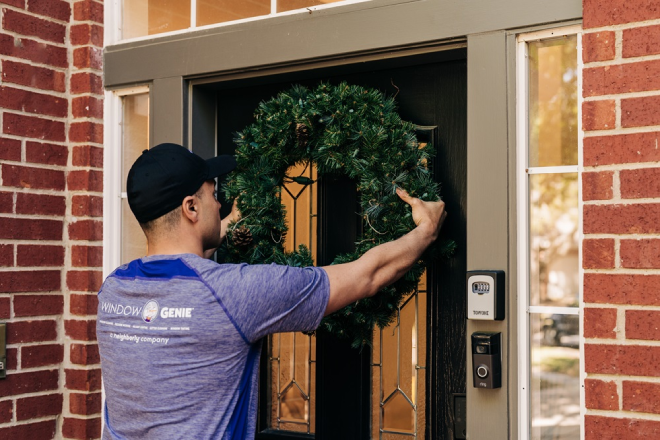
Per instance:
x=399, y=372
x=292, y=355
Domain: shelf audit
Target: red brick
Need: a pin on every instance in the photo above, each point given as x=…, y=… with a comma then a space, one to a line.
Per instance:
x=32, y=26
x=640, y=112
x=84, y=354
x=22, y=383
x=39, y=406
x=83, y=304
x=50, y=154
x=641, y=397
x=10, y=149
x=29, y=229
x=599, y=394
x=90, y=230
x=5, y=308
x=640, y=254
x=598, y=46
x=597, y=185
x=88, y=156
x=6, y=411
x=31, y=331
x=87, y=206
x=598, y=253
x=622, y=219
x=618, y=149
x=28, y=177
x=622, y=289
x=88, y=10
x=621, y=78
x=88, y=57
x=30, y=431
x=12, y=359
x=88, y=280
x=57, y=9
x=85, y=404
x=599, y=323
x=81, y=428
x=30, y=281
x=6, y=255
x=624, y=360
x=86, y=132
x=33, y=127
x=87, y=107
x=40, y=255
x=598, y=115
x=41, y=355
x=87, y=256
x=40, y=204
x=33, y=51
x=83, y=180
x=82, y=34
x=597, y=13
x=610, y=428
x=83, y=380
x=86, y=82
x=641, y=41
x=640, y=183
x=643, y=324
x=33, y=76
x=80, y=330
x=17, y=3
x=38, y=305
x=6, y=202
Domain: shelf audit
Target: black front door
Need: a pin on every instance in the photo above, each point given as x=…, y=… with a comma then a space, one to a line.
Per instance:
x=431, y=91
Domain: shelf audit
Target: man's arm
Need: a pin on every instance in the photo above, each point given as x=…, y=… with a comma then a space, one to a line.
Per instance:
x=386, y=263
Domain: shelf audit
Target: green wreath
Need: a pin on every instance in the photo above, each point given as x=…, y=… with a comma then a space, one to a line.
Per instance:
x=343, y=129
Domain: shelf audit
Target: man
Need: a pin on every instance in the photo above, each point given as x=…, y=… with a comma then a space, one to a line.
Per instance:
x=180, y=335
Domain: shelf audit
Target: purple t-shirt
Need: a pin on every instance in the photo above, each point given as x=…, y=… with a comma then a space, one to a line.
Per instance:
x=180, y=339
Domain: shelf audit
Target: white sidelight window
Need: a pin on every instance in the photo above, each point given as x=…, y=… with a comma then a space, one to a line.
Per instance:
x=549, y=233
x=127, y=136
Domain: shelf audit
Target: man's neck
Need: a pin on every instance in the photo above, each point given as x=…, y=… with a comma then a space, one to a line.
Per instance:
x=174, y=246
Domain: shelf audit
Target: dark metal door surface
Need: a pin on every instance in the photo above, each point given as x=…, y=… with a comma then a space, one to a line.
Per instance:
x=431, y=91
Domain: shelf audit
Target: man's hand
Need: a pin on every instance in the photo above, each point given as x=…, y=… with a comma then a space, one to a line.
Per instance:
x=427, y=215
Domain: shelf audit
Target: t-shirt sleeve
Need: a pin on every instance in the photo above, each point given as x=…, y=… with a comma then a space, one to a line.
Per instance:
x=265, y=299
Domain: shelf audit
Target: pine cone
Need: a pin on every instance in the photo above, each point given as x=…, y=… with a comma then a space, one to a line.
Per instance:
x=302, y=135
x=242, y=237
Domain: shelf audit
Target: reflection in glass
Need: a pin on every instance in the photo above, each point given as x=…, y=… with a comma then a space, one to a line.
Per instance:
x=553, y=218
x=135, y=139
x=292, y=404
x=219, y=11
x=399, y=372
x=289, y=5
x=555, y=377
x=150, y=17
x=553, y=95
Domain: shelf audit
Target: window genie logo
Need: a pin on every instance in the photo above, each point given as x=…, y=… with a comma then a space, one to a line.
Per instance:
x=176, y=312
x=150, y=311
x=118, y=309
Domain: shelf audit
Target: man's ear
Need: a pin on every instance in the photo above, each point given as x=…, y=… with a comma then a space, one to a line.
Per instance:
x=190, y=208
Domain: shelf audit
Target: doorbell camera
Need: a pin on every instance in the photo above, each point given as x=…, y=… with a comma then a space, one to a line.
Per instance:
x=487, y=360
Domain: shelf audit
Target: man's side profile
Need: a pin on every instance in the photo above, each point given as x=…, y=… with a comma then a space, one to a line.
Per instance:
x=180, y=335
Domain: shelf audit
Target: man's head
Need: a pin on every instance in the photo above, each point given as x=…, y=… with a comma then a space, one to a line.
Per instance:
x=168, y=177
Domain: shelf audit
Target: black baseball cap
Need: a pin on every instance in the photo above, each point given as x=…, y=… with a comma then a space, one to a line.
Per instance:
x=164, y=175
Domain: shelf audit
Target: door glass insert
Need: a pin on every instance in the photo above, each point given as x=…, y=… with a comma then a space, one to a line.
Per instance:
x=399, y=372
x=292, y=355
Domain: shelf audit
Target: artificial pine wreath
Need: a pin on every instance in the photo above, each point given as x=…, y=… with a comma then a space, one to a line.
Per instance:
x=343, y=129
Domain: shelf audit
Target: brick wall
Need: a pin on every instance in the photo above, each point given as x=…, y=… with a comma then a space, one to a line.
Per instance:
x=51, y=111
x=621, y=192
